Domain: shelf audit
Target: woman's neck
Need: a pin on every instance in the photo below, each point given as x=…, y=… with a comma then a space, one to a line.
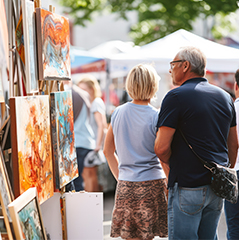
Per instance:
x=92, y=99
x=141, y=102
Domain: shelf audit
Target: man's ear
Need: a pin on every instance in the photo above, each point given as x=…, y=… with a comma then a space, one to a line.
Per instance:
x=236, y=86
x=186, y=66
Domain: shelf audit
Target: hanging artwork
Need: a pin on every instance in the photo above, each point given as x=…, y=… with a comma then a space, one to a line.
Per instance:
x=63, y=139
x=31, y=151
x=53, y=41
x=29, y=33
x=26, y=216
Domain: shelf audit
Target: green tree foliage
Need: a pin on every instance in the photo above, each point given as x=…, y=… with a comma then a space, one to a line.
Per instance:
x=82, y=10
x=157, y=19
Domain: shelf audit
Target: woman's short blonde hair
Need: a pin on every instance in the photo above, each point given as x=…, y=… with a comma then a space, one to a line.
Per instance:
x=142, y=82
x=92, y=83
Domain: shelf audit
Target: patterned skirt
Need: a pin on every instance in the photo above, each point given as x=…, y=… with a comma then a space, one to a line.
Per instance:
x=140, y=210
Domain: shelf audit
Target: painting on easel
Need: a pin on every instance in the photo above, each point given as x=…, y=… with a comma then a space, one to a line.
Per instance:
x=29, y=32
x=63, y=139
x=53, y=41
x=31, y=151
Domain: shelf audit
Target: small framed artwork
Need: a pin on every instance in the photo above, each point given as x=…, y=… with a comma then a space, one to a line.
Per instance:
x=26, y=216
x=53, y=40
x=29, y=33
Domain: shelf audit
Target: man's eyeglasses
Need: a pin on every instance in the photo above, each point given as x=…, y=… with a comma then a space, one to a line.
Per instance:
x=171, y=63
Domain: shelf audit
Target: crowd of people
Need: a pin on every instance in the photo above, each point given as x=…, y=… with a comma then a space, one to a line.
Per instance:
x=162, y=187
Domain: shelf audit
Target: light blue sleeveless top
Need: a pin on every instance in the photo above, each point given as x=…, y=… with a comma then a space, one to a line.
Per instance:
x=134, y=128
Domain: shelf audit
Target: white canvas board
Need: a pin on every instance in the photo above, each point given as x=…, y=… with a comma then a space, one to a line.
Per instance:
x=84, y=215
x=51, y=215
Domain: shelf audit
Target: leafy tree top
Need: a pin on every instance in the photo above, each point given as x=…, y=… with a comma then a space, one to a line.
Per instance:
x=158, y=19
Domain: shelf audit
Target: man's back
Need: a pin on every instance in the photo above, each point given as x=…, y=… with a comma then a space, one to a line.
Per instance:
x=204, y=113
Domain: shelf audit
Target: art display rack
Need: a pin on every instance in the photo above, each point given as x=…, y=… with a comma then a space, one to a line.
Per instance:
x=21, y=91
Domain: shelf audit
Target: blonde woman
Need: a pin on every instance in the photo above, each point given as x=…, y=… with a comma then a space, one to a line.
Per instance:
x=98, y=123
x=140, y=210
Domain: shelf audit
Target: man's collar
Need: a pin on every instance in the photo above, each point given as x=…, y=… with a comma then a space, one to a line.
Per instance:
x=197, y=79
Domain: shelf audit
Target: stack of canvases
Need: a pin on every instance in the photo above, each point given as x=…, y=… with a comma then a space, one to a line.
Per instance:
x=42, y=128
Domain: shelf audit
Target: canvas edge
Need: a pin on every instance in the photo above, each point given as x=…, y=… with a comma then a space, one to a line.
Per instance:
x=15, y=164
x=39, y=43
x=53, y=136
x=27, y=46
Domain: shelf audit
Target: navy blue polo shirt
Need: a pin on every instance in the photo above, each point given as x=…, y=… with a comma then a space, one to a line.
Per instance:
x=205, y=114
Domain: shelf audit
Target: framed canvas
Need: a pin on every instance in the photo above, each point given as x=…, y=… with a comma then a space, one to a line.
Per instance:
x=29, y=33
x=31, y=148
x=26, y=216
x=63, y=139
x=53, y=40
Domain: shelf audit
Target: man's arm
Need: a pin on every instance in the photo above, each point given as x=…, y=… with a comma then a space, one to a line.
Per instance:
x=109, y=152
x=232, y=144
x=162, y=146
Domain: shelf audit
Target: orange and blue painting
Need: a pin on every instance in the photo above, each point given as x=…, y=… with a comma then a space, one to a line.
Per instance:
x=53, y=46
x=33, y=133
x=63, y=138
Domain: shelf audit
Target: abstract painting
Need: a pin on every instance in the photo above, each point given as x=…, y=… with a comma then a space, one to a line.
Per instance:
x=29, y=33
x=63, y=139
x=19, y=40
x=26, y=215
x=31, y=151
x=53, y=46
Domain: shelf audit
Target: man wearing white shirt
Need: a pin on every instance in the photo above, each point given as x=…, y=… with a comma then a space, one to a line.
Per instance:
x=232, y=210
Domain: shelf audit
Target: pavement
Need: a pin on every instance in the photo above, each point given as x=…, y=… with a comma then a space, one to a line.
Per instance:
x=108, y=207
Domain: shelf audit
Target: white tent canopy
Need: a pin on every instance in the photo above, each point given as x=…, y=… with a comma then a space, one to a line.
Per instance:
x=220, y=58
x=110, y=48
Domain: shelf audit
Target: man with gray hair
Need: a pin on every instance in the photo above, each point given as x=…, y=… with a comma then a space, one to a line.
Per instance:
x=204, y=115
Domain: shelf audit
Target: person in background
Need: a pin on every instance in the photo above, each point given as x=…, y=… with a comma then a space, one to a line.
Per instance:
x=99, y=125
x=205, y=115
x=113, y=97
x=140, y=210
x=84, y=135
x=232, y=210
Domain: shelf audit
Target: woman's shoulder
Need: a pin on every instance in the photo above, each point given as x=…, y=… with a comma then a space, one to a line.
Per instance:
x=121, y=109
x=98, y=103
